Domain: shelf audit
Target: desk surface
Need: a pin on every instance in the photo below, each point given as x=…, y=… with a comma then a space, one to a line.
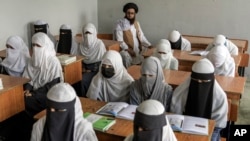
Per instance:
x=10, y=82
x=109, y=44
x=186, y=56
x=11, y=96
x=233, y=86
x=123, y=128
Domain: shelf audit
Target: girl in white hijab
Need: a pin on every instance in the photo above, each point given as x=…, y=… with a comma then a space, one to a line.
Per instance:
x=223, y=62
x=222, y=40
x=42, y=26
x=112, y=82
x=145, y=129
x=93, y=50
x=17, y=56
x=201, y=96
x=164, y=53
x=66, y=44
x=64, y=119
x=151, y=85
x=178, y=42
x=44, y=70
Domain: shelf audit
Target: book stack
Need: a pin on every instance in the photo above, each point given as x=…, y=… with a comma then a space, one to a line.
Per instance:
x=100, y=123
x=66, y=59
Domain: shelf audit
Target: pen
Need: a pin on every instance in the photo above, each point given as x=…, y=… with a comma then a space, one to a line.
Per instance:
x=201, y=126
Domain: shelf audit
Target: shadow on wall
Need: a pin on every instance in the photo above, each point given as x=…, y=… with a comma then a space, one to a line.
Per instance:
x=30, y=32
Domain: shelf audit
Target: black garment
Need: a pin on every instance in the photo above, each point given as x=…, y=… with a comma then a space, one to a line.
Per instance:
x=41, y=28
x=37, y=102
x=200, y=95
x=177, y=44
x=17, y=127
x=59, y=125
x=91, y=71
x=65, y=41
x=3, y=71
x=151, y=126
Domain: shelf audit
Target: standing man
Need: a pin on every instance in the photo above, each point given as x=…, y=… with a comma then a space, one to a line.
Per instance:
x=128, y=31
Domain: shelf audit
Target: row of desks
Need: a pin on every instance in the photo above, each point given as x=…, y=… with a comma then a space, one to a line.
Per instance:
x=201, y=42
x=233, y=86
x=123, y=128
x=186, y=60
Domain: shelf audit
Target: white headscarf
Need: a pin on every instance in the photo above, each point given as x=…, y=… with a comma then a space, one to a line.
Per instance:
x=92, y=47
x=40, y=22
x=153, y=108
x=221, y=59
x=220, y=104
x=165, y=59
x=16, y=58
x=174, y=36
x=115, y=88
x=44, y=65
x=219, y=40
x=63, y=92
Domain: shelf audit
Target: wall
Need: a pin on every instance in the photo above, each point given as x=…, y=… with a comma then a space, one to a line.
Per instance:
x=17, y=16
x=195, y=17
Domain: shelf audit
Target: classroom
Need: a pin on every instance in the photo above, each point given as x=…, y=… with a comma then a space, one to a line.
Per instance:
x=157, y=19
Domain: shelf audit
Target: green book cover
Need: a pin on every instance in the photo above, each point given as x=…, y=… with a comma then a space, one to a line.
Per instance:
x=100, y=123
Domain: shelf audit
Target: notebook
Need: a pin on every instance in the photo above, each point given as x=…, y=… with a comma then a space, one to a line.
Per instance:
x=100, y=123
x=188, y=124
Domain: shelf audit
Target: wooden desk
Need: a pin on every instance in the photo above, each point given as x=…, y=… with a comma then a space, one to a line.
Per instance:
x=201, y=42
x=123, y=128
x=72, y=72
x=233, y=86
x=186, y=60
x=11, y=96
x=109, y=43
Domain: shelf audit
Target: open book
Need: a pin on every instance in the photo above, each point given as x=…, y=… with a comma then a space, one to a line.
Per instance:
x=119, y=110
x=100, y=123
x=199, y=52
x=66, y=59
x=188, y=124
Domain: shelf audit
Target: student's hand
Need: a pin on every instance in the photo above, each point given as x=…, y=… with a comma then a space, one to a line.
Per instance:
x=27, y=93
x=150, y=47
x=131, y=52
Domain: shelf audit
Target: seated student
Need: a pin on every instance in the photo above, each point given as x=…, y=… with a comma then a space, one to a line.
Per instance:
x=64, y=119
x=201, y=96
x=151, y=123
x=178, y=42
x=66, y=44
x=164, y=53
x=17, y=56
x=42, y=26
x=222, y=60
x=112, y=82
x=151, y=85
x=44, y=70
x=93, y=50
x=222, y=40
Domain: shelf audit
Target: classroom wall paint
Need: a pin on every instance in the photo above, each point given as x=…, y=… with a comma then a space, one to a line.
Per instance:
x=195, y=17
x=16, y=16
